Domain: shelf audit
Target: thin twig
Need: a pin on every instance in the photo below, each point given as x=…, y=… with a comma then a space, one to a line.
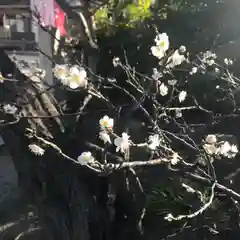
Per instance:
x=170, y=217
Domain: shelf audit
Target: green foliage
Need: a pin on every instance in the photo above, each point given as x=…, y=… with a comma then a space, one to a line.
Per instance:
x=129, y=13
x=138, y=12
x=122, y=14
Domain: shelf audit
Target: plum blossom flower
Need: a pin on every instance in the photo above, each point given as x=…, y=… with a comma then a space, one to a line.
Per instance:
x=122, y=143
x=106, y=123
x=208, y=54
x=225, y=148
x=228, y=150
x=61, y=72
x=163, y=89
x=77, y=77
x=211, y=139
x=36, y=150
x=157, y=52
x=209, y=58
x=228, y=61
x=154, y=141
x=210, y=62
x=182, y=96
x=175, y=60
x=210, y=149
x=175, y=159
x=85, y=158
x=116, y=61
x=178, y=113
x=182, y=49
x=162, y=45
x=9, y=109
x=105, y=137
x=193, y=70
x=162, y=40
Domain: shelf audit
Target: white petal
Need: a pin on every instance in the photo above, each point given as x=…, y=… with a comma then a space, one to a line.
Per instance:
x=74, y=70
x=157, y=52
x=117, y=141
x=85, y=158
x=210, y=149
x=234, y=149
x=193, y=71
x=211, y=138
x=73, y=85
x=105, y=118
x=182, y=96
x=125, y=136
x=105, y=137
x=83, y=73
x=163, y=89
x=110, y=122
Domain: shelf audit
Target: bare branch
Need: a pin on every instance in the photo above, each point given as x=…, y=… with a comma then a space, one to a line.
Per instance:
x=170, y=217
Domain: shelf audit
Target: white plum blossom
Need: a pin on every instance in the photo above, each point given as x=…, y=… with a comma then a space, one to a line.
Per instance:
x=182, y=49
x=162, y=45
x=157, y=52
x=122, y=143
x=105, y=137
x=77, y=77
x=154, y=141
x=61, y=72
x=225, y=148
x=182, y=96
x=234, y=151
x=208, y=54
x=163, y=89
x=178, y=113
x=36, y=150
x=228, y=61
x=175, y=159
x=9, y=109
x=116, y=61
x=175, y=60
x=209, y=58
x=210, y=149
x=213, y=147
x=210, y=62
x=193, y=70
x=162, y=40
x=211, y=139
x=228, y=150
x=234, y=148
x=106, y=123
x=85, y=158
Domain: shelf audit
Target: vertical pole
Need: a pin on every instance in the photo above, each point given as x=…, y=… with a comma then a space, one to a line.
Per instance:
x=45, y=45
